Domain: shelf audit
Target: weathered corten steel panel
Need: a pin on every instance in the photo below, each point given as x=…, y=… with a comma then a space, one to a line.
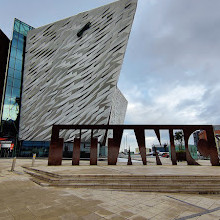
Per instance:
x=56, y=152
x=114, y=146
x=93, y=151
x=187, y=132
x=206, y=148
x=76, y=151
x=140, y=136
x=172, y=147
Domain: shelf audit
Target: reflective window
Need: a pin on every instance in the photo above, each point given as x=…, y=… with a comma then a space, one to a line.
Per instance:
x=13, y=86
x=17, y=83
x=15, y=35
x=17, y=74
x=10, y=72
x=21, y=37
x=18, y=64
x=14, y=43
x=13, y=52
x=16, y=25
x=5, y=112
x=15, y=92
x=19, y=55
x=24, y=29
x=20, y=45
x=7, y=100
x=39, y=147
x=10, y=81
x=12, y=62
x=8, y=90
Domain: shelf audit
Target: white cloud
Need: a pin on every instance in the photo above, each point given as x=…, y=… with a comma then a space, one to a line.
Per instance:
x=179, y=94
x=179, y=105
x=173, y=78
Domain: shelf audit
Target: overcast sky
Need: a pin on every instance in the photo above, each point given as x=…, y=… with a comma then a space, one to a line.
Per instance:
x=170, y=73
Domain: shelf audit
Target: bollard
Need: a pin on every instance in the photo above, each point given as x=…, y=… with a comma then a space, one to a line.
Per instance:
x=33, y=159
x=13, y=164
x=129, y=158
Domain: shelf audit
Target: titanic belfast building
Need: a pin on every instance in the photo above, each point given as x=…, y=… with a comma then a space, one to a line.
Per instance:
x=65, y=72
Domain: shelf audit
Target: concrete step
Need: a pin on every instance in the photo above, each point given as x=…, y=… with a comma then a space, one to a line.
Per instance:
x=86, y=179
x=126, y=176
x=193, y=184
x=136, y=186
x=42, y=172
x=191, y=191
x=41, y=181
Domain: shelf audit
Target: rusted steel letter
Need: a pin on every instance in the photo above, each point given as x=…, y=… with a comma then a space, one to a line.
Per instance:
x=208, y=147
x=172, y=147
x=76, y=151
x=140, y=136
x=93, y=151
x=114, y=146
x=56, y=152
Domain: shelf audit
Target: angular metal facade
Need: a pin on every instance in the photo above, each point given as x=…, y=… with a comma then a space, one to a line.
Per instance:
x=119, y=107
x=71, y=71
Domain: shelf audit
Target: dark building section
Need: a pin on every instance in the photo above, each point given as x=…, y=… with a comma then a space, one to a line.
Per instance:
x=4, y=45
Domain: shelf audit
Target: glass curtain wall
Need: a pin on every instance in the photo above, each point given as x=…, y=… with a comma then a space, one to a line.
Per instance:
x=12, y=98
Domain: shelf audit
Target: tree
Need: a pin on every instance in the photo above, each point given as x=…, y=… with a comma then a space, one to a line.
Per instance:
x=165, y=147
x=178, y=137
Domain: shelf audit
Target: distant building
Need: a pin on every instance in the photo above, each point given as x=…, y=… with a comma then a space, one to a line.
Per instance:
x=217, y=139
x=136, y=151
x=125, y=151
x=148, y=150
x=196, y=137
x=217, y=136
x=192, y=149
x=161, y=148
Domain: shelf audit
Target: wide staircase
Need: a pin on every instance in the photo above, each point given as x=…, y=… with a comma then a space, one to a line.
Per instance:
x=139, y=183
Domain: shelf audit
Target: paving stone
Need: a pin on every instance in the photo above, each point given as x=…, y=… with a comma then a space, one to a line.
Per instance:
x=21, y=212
x=25, y=216
x=103, y=212
x=186, y=213
x=137, y=217
x=147, y=214
x=92, y=216
x=126, y=214
x=23, y=199
x=117, y=217
x=216, y=213
x=208, y=217
x=5, y=214
x=114, y=209
x=7, y=218
x=69, y=216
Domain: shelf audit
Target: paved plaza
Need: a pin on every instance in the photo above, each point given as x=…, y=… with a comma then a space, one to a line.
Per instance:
x=23, y=199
